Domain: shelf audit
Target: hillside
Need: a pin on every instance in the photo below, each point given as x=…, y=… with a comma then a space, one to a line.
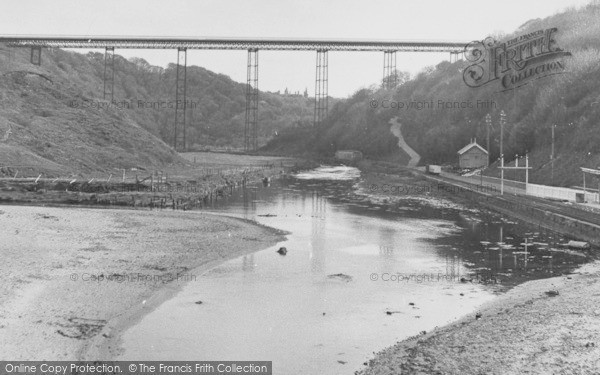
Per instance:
x=571, y=101
x=53, y=118
x=216, y=103
x=41, y=133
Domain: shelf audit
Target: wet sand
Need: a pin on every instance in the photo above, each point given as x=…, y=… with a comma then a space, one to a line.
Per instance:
x=525, y=331
x=74, y=277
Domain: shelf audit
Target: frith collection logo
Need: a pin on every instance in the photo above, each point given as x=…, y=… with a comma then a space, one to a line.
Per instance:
x=516, y=62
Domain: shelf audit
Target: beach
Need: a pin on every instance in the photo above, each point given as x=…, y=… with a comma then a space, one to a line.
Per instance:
x=73, y=278
x=546, y=326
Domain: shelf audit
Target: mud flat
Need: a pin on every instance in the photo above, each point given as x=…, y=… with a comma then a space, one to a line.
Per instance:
x=72, y=277
x=547, y=326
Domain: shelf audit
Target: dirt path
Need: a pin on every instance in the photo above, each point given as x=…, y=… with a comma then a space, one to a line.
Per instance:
x=396, y=129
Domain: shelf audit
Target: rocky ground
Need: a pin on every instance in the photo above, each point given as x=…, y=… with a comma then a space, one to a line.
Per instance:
x=70, y=273
x=209, y=177
x=548, y=326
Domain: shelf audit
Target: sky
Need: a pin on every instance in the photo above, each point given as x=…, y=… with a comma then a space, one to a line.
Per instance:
x=434, y=20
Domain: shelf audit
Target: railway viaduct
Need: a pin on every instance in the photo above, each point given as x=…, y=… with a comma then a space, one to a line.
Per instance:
x=252, y=45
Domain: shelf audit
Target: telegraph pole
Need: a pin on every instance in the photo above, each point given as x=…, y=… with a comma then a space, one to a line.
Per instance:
x=527, y=171
x=552, y=155
x=488, y=121
x=502, y=121
x=516, y=167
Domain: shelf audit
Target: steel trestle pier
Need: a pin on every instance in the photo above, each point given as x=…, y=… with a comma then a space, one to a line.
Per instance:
x=321, y=88
x=390, y=74
x=250, y=128
x=252, y=45
x=109, y=73
x=180, y=100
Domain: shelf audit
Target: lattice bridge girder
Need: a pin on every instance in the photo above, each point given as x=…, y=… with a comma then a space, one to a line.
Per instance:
x=390, y=74
x=109, y=73
x=304, y=44
x=251, y=123
x=321, y=87
x=180, y=101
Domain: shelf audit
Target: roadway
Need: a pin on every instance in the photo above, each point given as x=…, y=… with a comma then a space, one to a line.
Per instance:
x=490, y=184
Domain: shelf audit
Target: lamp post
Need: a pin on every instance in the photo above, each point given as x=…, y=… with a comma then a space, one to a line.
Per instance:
x=552, y=155
x=526, y=171
x=502, y=122
x=488, y=121
x=516, y=168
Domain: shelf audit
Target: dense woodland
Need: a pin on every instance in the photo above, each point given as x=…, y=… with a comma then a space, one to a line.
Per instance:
x=570, y=101
x=215, y=115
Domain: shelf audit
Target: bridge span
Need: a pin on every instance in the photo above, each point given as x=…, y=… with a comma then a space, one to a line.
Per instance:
x=252, y=45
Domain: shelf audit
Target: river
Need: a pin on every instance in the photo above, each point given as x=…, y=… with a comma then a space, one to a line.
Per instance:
x=358, y=277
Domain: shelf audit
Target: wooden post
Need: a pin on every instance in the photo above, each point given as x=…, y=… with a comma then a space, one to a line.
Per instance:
x=488, y=121
x=526, y=172
x=123, y=175
x=552, y=155
x=502, y=175
x=500, y=258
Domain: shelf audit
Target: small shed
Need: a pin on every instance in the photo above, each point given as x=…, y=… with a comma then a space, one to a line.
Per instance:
x=472, y=156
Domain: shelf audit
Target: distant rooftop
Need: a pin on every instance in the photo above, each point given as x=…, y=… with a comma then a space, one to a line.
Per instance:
x=470, y=146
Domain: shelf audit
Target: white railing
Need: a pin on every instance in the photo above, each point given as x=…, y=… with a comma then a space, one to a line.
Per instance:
x=562, y=193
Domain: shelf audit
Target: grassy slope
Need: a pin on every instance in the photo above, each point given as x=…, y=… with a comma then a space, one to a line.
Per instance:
x=48, y=133
x=39, y=128
x=216, y=110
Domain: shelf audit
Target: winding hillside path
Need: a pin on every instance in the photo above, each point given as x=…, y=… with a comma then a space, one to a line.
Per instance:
x=396, y=130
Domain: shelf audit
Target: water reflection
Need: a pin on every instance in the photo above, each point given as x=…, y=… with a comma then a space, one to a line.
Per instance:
x=387, y=242
x=248, y=201
x=488, y=247
x=509, y=253
x=453, y=267
x=248, y=263
x=288, y=309
x=318, y=239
